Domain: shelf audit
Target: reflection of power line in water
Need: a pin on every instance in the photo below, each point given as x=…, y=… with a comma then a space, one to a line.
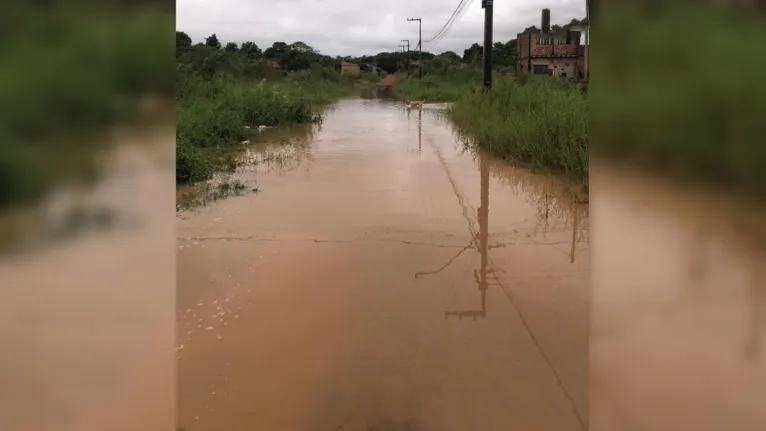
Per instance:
x=460, y=198
x=486, y=263
x=449, y=262
x=757, y=299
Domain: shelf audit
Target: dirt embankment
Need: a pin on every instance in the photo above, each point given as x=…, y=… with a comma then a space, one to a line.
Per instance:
x=388, y=81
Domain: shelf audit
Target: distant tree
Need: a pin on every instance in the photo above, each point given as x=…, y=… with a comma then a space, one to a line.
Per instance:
x=366, y=59
x=295, y=60
x=250, y=49
x=530, y=29
x=302, y=47
x=498, y=54
x=388, y=61
x=212, y=41
x=451, y=56
x=277, y=50
x=231, y=47
x=439, y=65
x=212, y=63
x=183, y=41
x=473, y=54
x=504, y=54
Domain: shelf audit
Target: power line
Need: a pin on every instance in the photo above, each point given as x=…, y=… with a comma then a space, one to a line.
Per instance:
x=450, y=21
x=456, y=14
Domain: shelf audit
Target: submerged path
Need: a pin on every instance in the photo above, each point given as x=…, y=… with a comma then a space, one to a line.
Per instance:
x=384, y=278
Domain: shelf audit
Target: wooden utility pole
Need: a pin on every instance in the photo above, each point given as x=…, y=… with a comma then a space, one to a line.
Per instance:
x=420, y=43
x=487, y=6
x=587, y=41
x=408, y=44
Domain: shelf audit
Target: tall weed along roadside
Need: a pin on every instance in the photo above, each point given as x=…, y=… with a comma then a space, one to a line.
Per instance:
x=539, y=122
x=67, y=81
x=219, y=94
x=692, y=119
x=213, y=115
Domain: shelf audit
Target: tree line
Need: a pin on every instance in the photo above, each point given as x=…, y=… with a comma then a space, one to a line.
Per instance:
x=300, y=56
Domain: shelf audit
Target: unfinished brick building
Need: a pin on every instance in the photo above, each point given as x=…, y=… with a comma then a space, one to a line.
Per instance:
x=542, y=52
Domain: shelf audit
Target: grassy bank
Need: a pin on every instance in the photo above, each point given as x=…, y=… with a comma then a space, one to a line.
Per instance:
x=676, y=112
x=537, y=122
x=212, y=116
x=433, y=89
x=448, y=86
x=69, y=75
x=215, y=114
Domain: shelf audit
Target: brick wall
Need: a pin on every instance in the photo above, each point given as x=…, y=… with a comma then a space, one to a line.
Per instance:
x=522, y=42
x=552, y=49
x=570, y=49
x=525, y=41
x=544, y=50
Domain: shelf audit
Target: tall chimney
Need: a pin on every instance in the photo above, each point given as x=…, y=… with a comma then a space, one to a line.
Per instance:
x=546, y=27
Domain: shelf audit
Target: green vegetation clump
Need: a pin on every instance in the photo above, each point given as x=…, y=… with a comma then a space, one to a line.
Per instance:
x=438, y=87
x=685, y=104
x=215, y=115
x=224, y=94
x=536, y=121
x=224, y=87
x=70, y=73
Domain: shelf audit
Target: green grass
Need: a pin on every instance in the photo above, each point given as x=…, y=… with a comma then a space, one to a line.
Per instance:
x=212, y=115
x=321, y=86
x=431, y=89
x=66, y=79
x=539, y=122
x=686, y=104
x=219, y=93
x=446, y=87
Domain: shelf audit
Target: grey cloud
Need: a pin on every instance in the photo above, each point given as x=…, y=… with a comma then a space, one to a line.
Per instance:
x=343, y=27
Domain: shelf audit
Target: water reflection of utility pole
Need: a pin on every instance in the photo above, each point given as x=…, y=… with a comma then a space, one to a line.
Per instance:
x=481, y=275
x=756, y=302
x=574, y=233
x=420, y=131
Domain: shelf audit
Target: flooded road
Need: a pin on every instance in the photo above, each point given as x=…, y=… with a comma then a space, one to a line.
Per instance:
x=381, y=277
x=87, y=322
x=678, y=308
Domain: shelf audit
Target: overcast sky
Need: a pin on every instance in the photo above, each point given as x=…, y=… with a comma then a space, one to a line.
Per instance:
x=358, y=27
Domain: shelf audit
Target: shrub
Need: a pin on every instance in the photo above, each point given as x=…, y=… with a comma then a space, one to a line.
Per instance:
x=542, y=124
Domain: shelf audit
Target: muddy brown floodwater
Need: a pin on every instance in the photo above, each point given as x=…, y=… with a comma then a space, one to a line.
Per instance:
x=384, y=278
x=678, y=307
